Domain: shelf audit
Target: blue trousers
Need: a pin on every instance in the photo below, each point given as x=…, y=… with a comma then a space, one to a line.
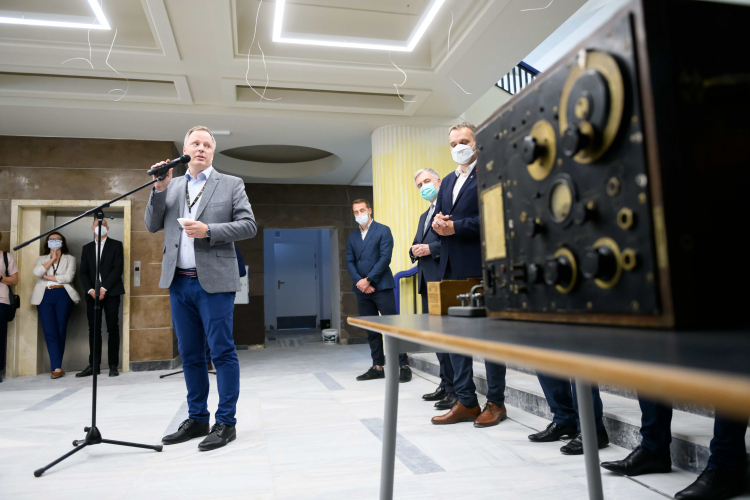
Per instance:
x=446, y=368
x=54, y=313
x=728, y=446
x=384, y=303
x=656, y=424
x=463, y=381
x=200, y=317
x=563, y=401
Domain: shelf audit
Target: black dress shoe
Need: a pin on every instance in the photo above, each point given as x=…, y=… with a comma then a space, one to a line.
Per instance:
x=88, y=371
x=575, y=446
x=113, y=371
x=372, y=374
x=404, y=374
x=554, y=432
x=640, y=461
x=435, y=396
x=219, y=436
x=188, y=430
x=714, y=484
x=447, y=402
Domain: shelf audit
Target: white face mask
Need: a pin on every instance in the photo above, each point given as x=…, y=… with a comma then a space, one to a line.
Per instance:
x=462, y=153
x=362, y=219
x=54, y=244
x=104, y=231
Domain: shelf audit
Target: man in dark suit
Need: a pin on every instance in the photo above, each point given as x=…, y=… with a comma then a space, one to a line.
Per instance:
x=111, y=288
x=368, y=256
x=426, y=251
x=457, y=224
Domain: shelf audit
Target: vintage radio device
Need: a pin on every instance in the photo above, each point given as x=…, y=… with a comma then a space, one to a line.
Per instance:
x=614, y=189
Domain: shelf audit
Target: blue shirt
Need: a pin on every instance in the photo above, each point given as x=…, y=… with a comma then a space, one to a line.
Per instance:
x=186, y=255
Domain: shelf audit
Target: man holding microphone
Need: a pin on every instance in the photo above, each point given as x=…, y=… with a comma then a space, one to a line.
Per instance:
x=199, y=267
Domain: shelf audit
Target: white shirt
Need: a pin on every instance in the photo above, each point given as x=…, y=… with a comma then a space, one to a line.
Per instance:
x=462, y=179
x=104, y=240
x=186, y=254
x=364, y=231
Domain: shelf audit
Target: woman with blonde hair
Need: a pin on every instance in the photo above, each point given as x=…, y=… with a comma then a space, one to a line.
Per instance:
x=54, y=297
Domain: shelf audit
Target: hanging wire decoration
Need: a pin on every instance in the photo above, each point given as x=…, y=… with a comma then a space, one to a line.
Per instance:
x=402, y=83
x=449, y=51
x=539, y=8
x=83, y=58
x=125, y=91
x=255, y=31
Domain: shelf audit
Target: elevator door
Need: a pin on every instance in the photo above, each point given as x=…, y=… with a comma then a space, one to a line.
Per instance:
x=79, y=233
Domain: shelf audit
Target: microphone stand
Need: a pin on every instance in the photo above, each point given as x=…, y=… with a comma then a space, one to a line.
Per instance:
x=93, y=436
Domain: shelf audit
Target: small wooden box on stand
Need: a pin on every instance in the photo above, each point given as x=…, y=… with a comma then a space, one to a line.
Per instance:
x=442, y=294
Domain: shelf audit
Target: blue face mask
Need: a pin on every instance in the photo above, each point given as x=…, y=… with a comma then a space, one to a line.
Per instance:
x=428, y=192
x=54, y=244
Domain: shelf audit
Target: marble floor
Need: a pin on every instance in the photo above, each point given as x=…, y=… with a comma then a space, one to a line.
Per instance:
x=306, y=430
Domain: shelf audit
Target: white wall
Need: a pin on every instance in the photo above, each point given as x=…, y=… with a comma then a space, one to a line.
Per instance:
x=320, y=238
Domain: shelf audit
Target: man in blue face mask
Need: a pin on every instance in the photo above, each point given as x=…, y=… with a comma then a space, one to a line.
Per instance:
x=426, y=251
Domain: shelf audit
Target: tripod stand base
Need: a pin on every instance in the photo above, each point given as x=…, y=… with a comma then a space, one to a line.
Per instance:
x=93, y=436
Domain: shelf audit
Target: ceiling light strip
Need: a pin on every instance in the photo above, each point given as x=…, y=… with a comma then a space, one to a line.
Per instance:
x=102, y=25
x=354, y=42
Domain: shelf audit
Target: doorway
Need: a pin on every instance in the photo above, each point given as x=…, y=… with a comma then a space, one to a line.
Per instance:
x=298, y=278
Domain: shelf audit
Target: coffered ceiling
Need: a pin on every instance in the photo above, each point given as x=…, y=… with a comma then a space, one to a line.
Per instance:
x=178, y=63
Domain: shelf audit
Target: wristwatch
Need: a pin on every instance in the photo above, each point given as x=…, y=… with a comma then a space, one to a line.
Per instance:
x=208, y=232
x=368, y=280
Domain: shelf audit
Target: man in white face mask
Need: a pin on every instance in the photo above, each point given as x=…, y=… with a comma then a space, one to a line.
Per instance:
x=111, y=288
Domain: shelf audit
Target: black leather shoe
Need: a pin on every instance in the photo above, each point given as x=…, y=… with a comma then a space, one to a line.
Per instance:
x=188, y=430
x=372, y=374
x=554, y=432
x=714, y=484
x=640, y=461
x=113, y=371
x=447, y=402
x=404, y=374
x=219, y=436
x=575, y=446
x=88, y=371
x=435, y=396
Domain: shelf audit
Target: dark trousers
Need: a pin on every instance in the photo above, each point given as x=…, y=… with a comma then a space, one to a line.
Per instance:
x=463, y=381
x=656, y=427
x=370, y=304
x=728, y=446
x=446, y=367
x=4, y=313
x=200, y=317
x=54, y=313
x=562, y=398
x=110, y=307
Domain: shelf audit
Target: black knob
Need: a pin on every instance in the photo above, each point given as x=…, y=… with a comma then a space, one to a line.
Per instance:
x=531, y=150
x=573, y=141
x=535, y=273
x=599, y=263
x=533, y=227
x=558, y=271
x=581, y=213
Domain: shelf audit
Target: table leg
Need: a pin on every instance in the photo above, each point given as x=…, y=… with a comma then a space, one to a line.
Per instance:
x=388, y=462
x=590, y=445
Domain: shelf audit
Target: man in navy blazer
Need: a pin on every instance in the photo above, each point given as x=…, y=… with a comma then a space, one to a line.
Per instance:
x=457, y=224
x=425, y=250
x=368, y=257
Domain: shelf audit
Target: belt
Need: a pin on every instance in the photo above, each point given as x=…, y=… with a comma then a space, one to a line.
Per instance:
x=55, y=286
x=190, y=273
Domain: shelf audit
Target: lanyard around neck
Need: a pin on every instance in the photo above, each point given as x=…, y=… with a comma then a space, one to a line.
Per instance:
x=187, y=193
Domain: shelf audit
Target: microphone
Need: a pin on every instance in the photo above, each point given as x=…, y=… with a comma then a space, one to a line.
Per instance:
x=163, y=169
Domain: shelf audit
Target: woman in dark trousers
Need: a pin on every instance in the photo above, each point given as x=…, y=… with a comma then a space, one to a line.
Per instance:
x=8, y=278
x=54, y=296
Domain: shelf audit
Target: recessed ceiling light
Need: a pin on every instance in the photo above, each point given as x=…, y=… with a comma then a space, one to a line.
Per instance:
x=102, y=24
x=354, y=42
x=221, y=132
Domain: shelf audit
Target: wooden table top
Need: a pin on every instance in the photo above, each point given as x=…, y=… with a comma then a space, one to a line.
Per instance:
x=704, y=367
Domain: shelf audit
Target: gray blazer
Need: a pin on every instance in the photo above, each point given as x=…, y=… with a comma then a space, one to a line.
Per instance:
x=225, y=208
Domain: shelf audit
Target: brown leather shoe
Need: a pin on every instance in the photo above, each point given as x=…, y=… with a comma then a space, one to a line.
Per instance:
x=57, y=374
x=459, y=413
x=491, y=415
